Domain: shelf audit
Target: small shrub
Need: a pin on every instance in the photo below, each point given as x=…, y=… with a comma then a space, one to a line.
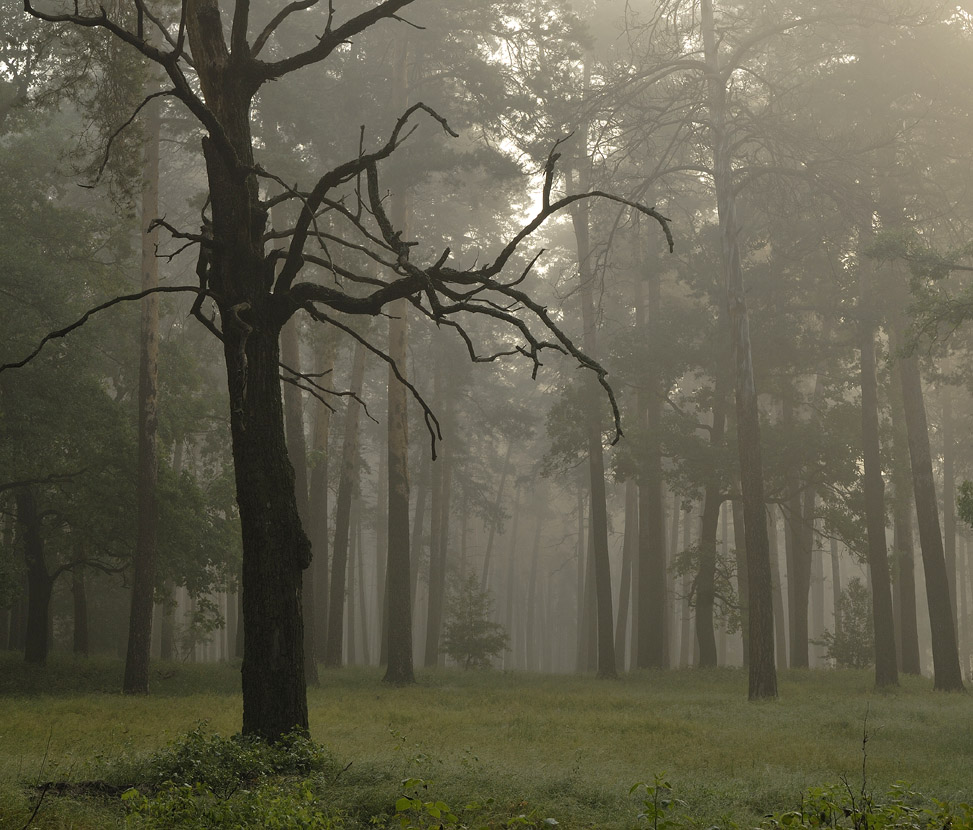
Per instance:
x=223, y=764
x=202, y=780
x=852, y=645
x=469, y=637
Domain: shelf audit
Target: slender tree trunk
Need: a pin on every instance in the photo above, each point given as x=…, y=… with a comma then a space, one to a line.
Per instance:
x=39, y=582
x=510, y=588
x=836, y=586
x=419, y=520
x=79, y=594
x=596, y=464
x=505, y=469
x=817, y=600
x=351, y=605
x=780, y=627
x=740, y=550
x=798, y=553
x=167, y=638
x=945, y=655
x=136, y=680
x=629, y=542
x=671, y=584
x=651, y=615
x=350, y=464
x=297, y=454
x=762, y=671
x=533, y=598
x=318, y=502
x=399, y=667
x=962, y=621
x=886, y=673
x=381, y=550
x=366, y=654
x=949, y=496
x=686, y=632
x=905, y=553
x=437, y=555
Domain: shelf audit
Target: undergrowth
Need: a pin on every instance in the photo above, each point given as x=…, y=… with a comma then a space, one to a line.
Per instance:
x=202, y=781
x=473, y=750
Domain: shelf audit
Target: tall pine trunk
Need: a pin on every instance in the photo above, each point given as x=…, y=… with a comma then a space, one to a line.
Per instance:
x=651, y=615
x=136, y=680
x=318, y=503
x=39, y=582
x=886, y=673
x=297, y=453
x=945, y=654
x=605, y=635
x=905, y=549
x=343, y=526
x=762, y=681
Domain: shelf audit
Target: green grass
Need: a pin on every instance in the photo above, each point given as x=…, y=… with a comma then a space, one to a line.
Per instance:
x=569, y=747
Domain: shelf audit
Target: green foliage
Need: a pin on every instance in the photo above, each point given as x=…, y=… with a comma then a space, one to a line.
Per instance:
x=727, y=606
x=852, y=645
x=657, y=800
x=202, y=780
x=276, y=806
x=904, y=809
x=414, y=811
x=222, y=765
x=964, y=502
x=470, y=638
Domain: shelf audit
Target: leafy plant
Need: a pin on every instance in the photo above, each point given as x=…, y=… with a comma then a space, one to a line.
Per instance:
x=657, y=800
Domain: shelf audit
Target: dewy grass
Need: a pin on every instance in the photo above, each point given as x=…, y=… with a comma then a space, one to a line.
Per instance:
x=544, y=746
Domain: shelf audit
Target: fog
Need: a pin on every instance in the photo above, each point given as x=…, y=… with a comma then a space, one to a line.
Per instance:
x=537, y=336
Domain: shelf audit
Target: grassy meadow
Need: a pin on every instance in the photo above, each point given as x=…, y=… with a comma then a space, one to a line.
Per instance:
x=561, y=746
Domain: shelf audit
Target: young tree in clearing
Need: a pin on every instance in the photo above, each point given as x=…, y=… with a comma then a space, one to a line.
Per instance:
x=216, y=72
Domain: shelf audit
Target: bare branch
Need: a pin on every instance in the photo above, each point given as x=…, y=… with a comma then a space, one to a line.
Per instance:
x=432, y=422
x=331, y=39
x=54, y=335
x=280, y=17
x=53, y=478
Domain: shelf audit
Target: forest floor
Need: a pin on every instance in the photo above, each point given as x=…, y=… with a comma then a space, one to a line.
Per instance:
x=565, y=747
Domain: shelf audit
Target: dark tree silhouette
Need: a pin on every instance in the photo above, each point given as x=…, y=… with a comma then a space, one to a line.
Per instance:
x=215, y=71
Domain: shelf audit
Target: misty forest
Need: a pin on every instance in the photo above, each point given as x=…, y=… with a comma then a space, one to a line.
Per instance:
x=484, y=414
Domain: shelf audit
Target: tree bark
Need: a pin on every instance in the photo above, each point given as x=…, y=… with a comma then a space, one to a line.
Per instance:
x=762, y=671
x=399, y=668
x=949, y=496
x=39, y=582
x=441, y=483
x=318, y=505
x=136, y=680
x=629, y=541
x=780, y=627
x=350, y=463
x=596, y=461
x=651, y=615
x=945, y=654
x=79, y=595
x=886, y=673
x=297, y=454
x=740, y=550
x=533, y=598
x=799, y=518
x=275, y=548
x=491, y=533
x=905, y=552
